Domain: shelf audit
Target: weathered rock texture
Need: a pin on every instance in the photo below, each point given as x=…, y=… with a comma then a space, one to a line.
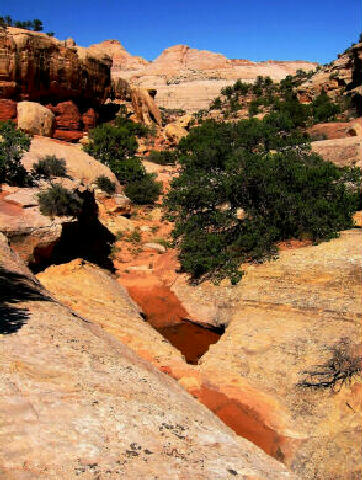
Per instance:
x=341, y=77
x=34, y=235
x=69, y=81
x=35, y=66
x=283, y=319
x=343, y=152
x=80, y=166
x=28, y=231
x=189, y=79
x=76, y=403
x=35, y=119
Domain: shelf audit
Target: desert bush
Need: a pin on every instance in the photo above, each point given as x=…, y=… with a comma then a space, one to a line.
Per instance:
x=115, y=146
x=344, y=364
x=111, y=144
x=289, y=192
x=105, y=184
x=166, y=157
x=50, y=166
x=144, y=191
x=323, y=110
x=13, y=144
x=58, y=201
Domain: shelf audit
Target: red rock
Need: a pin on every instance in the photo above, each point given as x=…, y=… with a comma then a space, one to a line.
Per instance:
x=8, y=110
x=67, y=116
x=89, y=119
x=36, y=66
x=68, y=135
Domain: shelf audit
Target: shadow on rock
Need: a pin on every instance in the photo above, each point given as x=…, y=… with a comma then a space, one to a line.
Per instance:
x=15, y=288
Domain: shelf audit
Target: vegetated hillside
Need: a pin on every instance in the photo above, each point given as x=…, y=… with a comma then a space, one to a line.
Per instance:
x=332, y=91
x=246, y=184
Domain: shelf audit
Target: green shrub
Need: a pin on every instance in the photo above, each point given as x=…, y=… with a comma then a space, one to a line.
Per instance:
x=216, y=104
x=288, y=193
x=105, y=184
x=323, y=109
x=50, y=166
x=166, y=157
x=13, y=144
x=116, y=146
x=144, y=191
x=58, y=201
x=135, y=237
x=111, y=144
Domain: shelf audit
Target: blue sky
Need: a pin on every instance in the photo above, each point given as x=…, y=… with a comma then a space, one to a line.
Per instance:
x=256, y=30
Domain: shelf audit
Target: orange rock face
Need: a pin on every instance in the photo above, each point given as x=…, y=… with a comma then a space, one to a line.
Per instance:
x=8, y=110
x=64, y=75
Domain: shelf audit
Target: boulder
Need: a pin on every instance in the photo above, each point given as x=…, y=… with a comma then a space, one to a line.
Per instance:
x=80, y=166
x=174, y=132
x=67, y=116
x=35, y=119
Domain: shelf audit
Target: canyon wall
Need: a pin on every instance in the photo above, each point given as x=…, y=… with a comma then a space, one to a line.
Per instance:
x=189, y=79
x=340, y=77
x=74, y=83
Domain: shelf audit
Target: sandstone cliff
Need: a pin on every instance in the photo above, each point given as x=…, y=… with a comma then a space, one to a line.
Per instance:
x=342, y=77
x=35, y=66
x=71, y=81
x=190, y=79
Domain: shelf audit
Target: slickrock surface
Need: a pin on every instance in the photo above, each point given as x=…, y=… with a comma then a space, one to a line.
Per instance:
x=94, y=294
x=186, y=78
x=80, y=165
x=76, y=403
x=343, y=152
x=283, y=318
x=335, y=131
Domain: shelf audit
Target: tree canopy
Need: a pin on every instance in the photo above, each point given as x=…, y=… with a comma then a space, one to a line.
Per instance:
x=245, y=186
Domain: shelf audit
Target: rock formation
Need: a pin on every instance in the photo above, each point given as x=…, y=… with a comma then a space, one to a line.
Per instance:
x=343, y=77
x=282, y=319
x=34, y=235
x=37, y=67
x=77, y=403
x=73, y=82
x=343, y=152
x=35, y=119
x=31, y=234
x=186, y=78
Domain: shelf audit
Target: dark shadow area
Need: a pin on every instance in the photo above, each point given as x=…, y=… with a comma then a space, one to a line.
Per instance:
x=108, y=112
x=191, y=339
x=86, y=238
x=14, y=288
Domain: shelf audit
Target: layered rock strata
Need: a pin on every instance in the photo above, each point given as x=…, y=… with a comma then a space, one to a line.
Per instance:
x=189, y=79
